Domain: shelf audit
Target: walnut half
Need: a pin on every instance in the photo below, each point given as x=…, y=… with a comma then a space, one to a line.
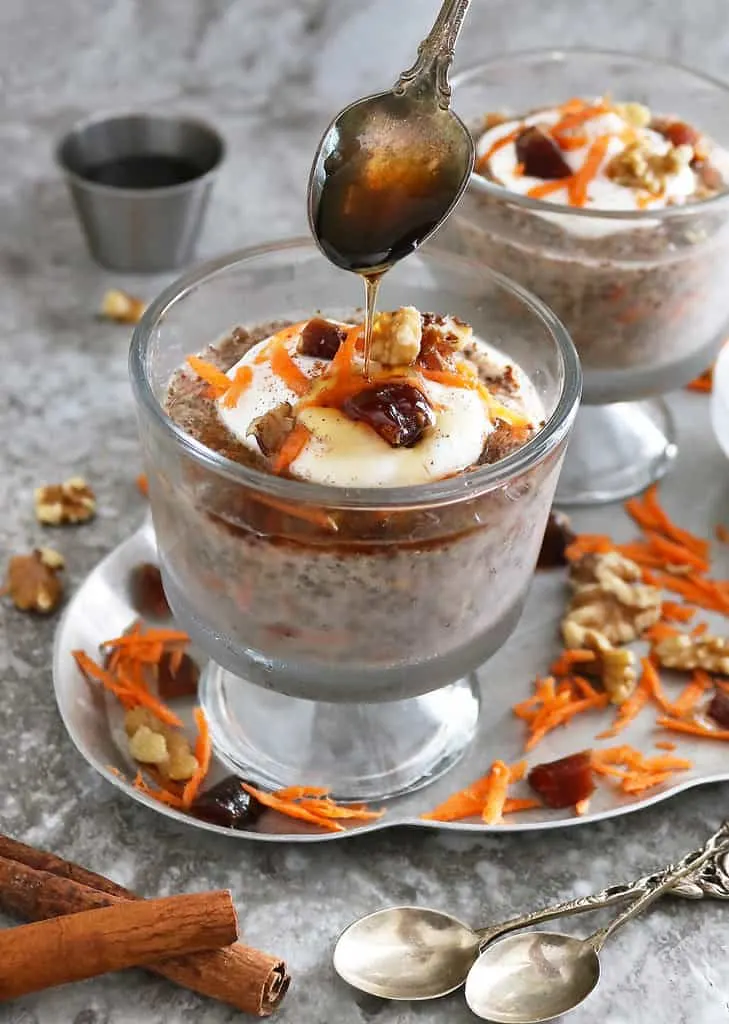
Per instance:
x=70, y=502
x=153, y=742
x=396, y=337
x=710, y=653
x=609, y=597
x=615, y=666
x=33, y=581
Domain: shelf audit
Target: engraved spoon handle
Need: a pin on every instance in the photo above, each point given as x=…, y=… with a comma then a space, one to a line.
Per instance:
x=435, y=53
x=710, y=879
x=717, y=844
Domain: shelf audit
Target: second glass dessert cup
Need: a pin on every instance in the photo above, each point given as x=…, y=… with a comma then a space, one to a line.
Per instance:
x=344, y=625
x=644, y=294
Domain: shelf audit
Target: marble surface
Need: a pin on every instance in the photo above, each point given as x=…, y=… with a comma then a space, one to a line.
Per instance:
x=270, y=74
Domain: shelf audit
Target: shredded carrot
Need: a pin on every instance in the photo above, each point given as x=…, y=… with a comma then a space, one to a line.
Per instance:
x=163, y=796
x=569, y=658
x=576, y=118
x=291, y=809
x=638, y=773
x=347, y=812
x=243, y=377
x=143, y=484
x=699, y=630
x=588, y=544
x=691, y=694
x=345, y=354
x=496, y=797
x=664, y=745
x=142, y=696
x=518, y=771
x=653, y=682
x=668, y=528
x=631, y=708
x=300, y=792
x=675, y=612
x=704, y=593
x=675, y=554
x=514, y=804
x=693, y=728
x=284, y=367
x=291, y=448
x=203, y=755
x=659, y=631
x=547, y=188
x=496, y=146
x=218, y=381
x=473, y=800
x=703, y=383
x=580, y=181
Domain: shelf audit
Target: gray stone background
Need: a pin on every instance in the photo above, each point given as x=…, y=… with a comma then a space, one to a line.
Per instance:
x=270, y=73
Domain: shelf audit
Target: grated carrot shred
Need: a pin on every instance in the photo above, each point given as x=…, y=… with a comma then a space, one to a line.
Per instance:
x=219, y=382
x=664, y=745
x=513, y=805
x=143, y=484
x=243, y=377
x=291, y=809
x=496, y=797
x=291, y=448
x=284, y=367
x=547, y=188
x=204, y=756
x=568, y=658
x=692, y=728
x=631, y=708
x=163, y=796
x=580, y=181
x=588, y=544
x=675, y=612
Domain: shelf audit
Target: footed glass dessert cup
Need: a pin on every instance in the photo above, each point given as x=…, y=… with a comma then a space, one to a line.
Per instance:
x=344, y=625
x=644, y=294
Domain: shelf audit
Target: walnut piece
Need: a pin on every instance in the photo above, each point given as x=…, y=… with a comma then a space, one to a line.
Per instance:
x=153, y=742
x=122, y=307
x=609, y=597
x=396, y=337
x=33, y=581
x=639, y=167
x=272, y=428
x=636, y=114
x=70, y=502
x=614, y=666
x=710, y=653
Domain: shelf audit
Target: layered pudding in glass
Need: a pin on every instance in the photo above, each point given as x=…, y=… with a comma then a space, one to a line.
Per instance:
x=406, y=596
x=613, y=214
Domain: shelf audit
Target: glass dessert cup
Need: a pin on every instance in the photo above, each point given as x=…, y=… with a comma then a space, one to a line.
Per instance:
x=344, y=625
x=643, y=294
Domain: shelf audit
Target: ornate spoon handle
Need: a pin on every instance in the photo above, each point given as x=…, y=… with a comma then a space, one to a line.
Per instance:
x=435, y=53
x=716, y=844
x=710, y=879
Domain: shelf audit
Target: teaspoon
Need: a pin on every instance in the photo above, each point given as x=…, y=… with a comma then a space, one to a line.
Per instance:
x=391, y=167
x=537, y=976
x=414, y=953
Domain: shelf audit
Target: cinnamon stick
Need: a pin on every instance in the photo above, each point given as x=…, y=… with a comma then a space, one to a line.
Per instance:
x=38, y=956
x=35, y=885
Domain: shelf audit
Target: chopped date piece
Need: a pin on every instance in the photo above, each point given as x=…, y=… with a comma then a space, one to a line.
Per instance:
x=710, y=178
x=540, y=155
x=399, y=413
x=321, y=339
x=272, y=429
x=557, y=537
x=436, y=353
x=148, y=595
x=177, y=680
x=227, y=804
x=565, y=782
x=677, y=132
x=718, y=709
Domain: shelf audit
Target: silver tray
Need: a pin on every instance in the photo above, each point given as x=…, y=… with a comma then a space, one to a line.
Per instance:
x=696, y=493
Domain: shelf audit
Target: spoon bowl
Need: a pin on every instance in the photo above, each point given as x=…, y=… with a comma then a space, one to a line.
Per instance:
x=406, y=953
x=391, y=167
x=530, y=978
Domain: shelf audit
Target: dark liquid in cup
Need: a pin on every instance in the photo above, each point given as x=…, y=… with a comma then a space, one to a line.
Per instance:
x=146, y=171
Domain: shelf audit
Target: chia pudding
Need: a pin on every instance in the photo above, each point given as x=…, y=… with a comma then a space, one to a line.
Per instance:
x=609, y=212
x=406, y=597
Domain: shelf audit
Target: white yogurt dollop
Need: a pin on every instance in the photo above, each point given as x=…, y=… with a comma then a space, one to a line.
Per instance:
x=345, y=453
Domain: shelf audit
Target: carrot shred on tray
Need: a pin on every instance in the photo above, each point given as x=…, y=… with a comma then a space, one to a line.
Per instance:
x=588, y=544
x=203, y=755
x=568, y=659
x=143, y=484
x=163, y=796
x=674, y=612
x=692, y=728
x=631, y=708
x=485, y=797
x=552, y=706
x=218, y=381
x=634, y=772
x=703, y=383
x=514, y=804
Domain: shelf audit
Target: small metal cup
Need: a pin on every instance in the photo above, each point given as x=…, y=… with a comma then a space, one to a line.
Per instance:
x=140, y=229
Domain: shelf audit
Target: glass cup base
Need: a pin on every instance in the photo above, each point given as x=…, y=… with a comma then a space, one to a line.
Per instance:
x=365, y=752
x=615, y=451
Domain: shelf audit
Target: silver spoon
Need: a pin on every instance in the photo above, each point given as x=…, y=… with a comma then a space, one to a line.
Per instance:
x=415, y=953
x=390, y=167
x=536, y=976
